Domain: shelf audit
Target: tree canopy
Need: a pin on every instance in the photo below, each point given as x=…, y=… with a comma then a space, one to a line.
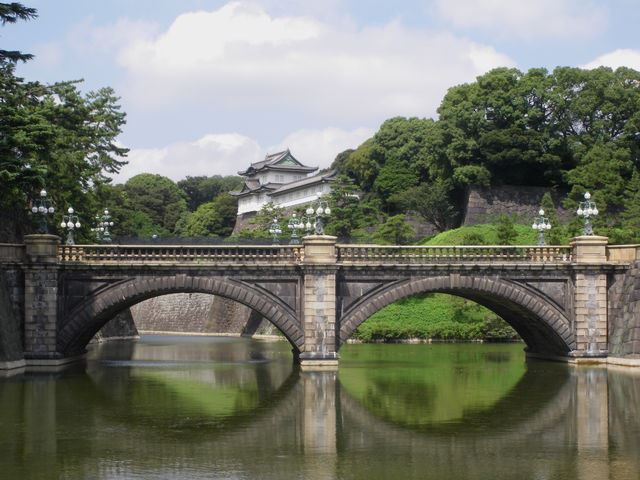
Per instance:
x=52, y=135
x=570, y=130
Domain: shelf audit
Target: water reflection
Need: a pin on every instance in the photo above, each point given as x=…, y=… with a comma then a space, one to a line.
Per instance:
x=235, y=408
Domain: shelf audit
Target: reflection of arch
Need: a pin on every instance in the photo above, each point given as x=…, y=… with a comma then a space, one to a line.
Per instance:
x=275, y=401
x=90, y=315
x=540, y=323
x=537, y=401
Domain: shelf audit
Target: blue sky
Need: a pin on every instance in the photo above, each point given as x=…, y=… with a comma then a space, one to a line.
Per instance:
x=209, y=86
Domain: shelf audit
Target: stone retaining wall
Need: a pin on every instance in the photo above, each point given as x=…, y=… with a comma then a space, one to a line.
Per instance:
x=485, y=204
x=187, y=313
x=11, y=315
x=624, y=313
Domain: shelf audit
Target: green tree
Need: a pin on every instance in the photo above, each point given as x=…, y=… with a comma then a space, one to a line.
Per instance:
x=202, y=189
x=473, y=238
x=258, y=226
x=506, y=232
x=53, y=135
x=604, y=171
x=555, y=236
x=629, y=231
x=158, y=197
x=346, y=212
x=396, y=231
x=11, y=13
x=433, y=202
x=213, y=219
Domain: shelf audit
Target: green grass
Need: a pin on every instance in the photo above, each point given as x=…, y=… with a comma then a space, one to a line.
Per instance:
x=488, y=233
x=434, y=316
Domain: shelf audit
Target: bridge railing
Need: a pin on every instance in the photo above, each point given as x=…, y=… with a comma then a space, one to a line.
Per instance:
x=12, y=253
x=623, y=253
x=446, y=254
x=179, y=253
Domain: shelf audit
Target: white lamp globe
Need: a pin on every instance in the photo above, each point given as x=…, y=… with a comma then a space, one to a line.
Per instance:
x=327, y=211
x=580, y=212
x=51, y=210
x=34, y=209
x=69, y=224
x=63, y=224
x=43, y=193
x=595, y=211
x=320, y=211
x=309, y=211
x=587, y=196
x=41, y=209
x=70, y=210
x=77, y=224
x=541, y=212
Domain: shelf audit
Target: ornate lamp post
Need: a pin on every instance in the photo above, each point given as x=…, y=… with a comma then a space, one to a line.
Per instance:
x=96, y=229
x=275, y=231
x=587, y=209
x=42, y=206
x=295, y=224
x=103, y=222
x=540, y=224
x=70, y=222
x=321, y=210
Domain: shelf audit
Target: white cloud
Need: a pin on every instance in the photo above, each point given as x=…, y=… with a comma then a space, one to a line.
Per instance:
x=320, y=147
x=530, y=19
x=226, y=153
x=213, y=154
x=240, y=58
x=624, y=57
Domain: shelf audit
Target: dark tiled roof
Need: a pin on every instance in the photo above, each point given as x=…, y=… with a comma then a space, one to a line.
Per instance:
x=304, y=182
x=272, y=160
x=252, y=185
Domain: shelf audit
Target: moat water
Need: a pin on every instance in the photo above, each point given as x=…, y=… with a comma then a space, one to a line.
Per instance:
x=229, y=408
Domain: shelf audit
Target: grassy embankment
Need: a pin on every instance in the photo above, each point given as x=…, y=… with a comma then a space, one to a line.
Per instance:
x=441, y=316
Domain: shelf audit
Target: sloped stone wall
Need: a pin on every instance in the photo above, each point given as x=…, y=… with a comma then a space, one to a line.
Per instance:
x=198, y=313
x=11, y=313
x=624, y=313
x=121, y=326
x=484, y=204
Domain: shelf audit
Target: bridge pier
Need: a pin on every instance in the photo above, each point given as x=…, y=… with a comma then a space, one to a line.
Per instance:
x=41, y=299
x=319, y=304
x=590, y=297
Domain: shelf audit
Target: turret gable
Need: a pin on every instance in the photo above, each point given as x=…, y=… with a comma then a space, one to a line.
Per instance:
x=283, y=161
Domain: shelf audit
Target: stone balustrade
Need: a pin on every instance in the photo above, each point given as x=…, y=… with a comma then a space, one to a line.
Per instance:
x=12, y=253
x=448, y=254
x=179, y=254
x=293, y=254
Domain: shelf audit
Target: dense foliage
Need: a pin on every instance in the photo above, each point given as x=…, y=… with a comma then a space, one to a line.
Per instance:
x=571, y=130
x=434, y=316
x=52, y=136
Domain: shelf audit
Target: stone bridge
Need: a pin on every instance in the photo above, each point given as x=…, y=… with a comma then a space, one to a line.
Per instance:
x=566, y=302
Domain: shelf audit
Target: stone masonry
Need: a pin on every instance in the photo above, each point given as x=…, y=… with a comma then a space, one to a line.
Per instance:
x=563, y=301
x=41, y=297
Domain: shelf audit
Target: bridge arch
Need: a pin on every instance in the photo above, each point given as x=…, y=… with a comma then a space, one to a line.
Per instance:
x=543, y=326
x=95, y=311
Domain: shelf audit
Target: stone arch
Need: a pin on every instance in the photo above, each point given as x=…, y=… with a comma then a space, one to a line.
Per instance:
x=541, y=324
x=94, y=312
